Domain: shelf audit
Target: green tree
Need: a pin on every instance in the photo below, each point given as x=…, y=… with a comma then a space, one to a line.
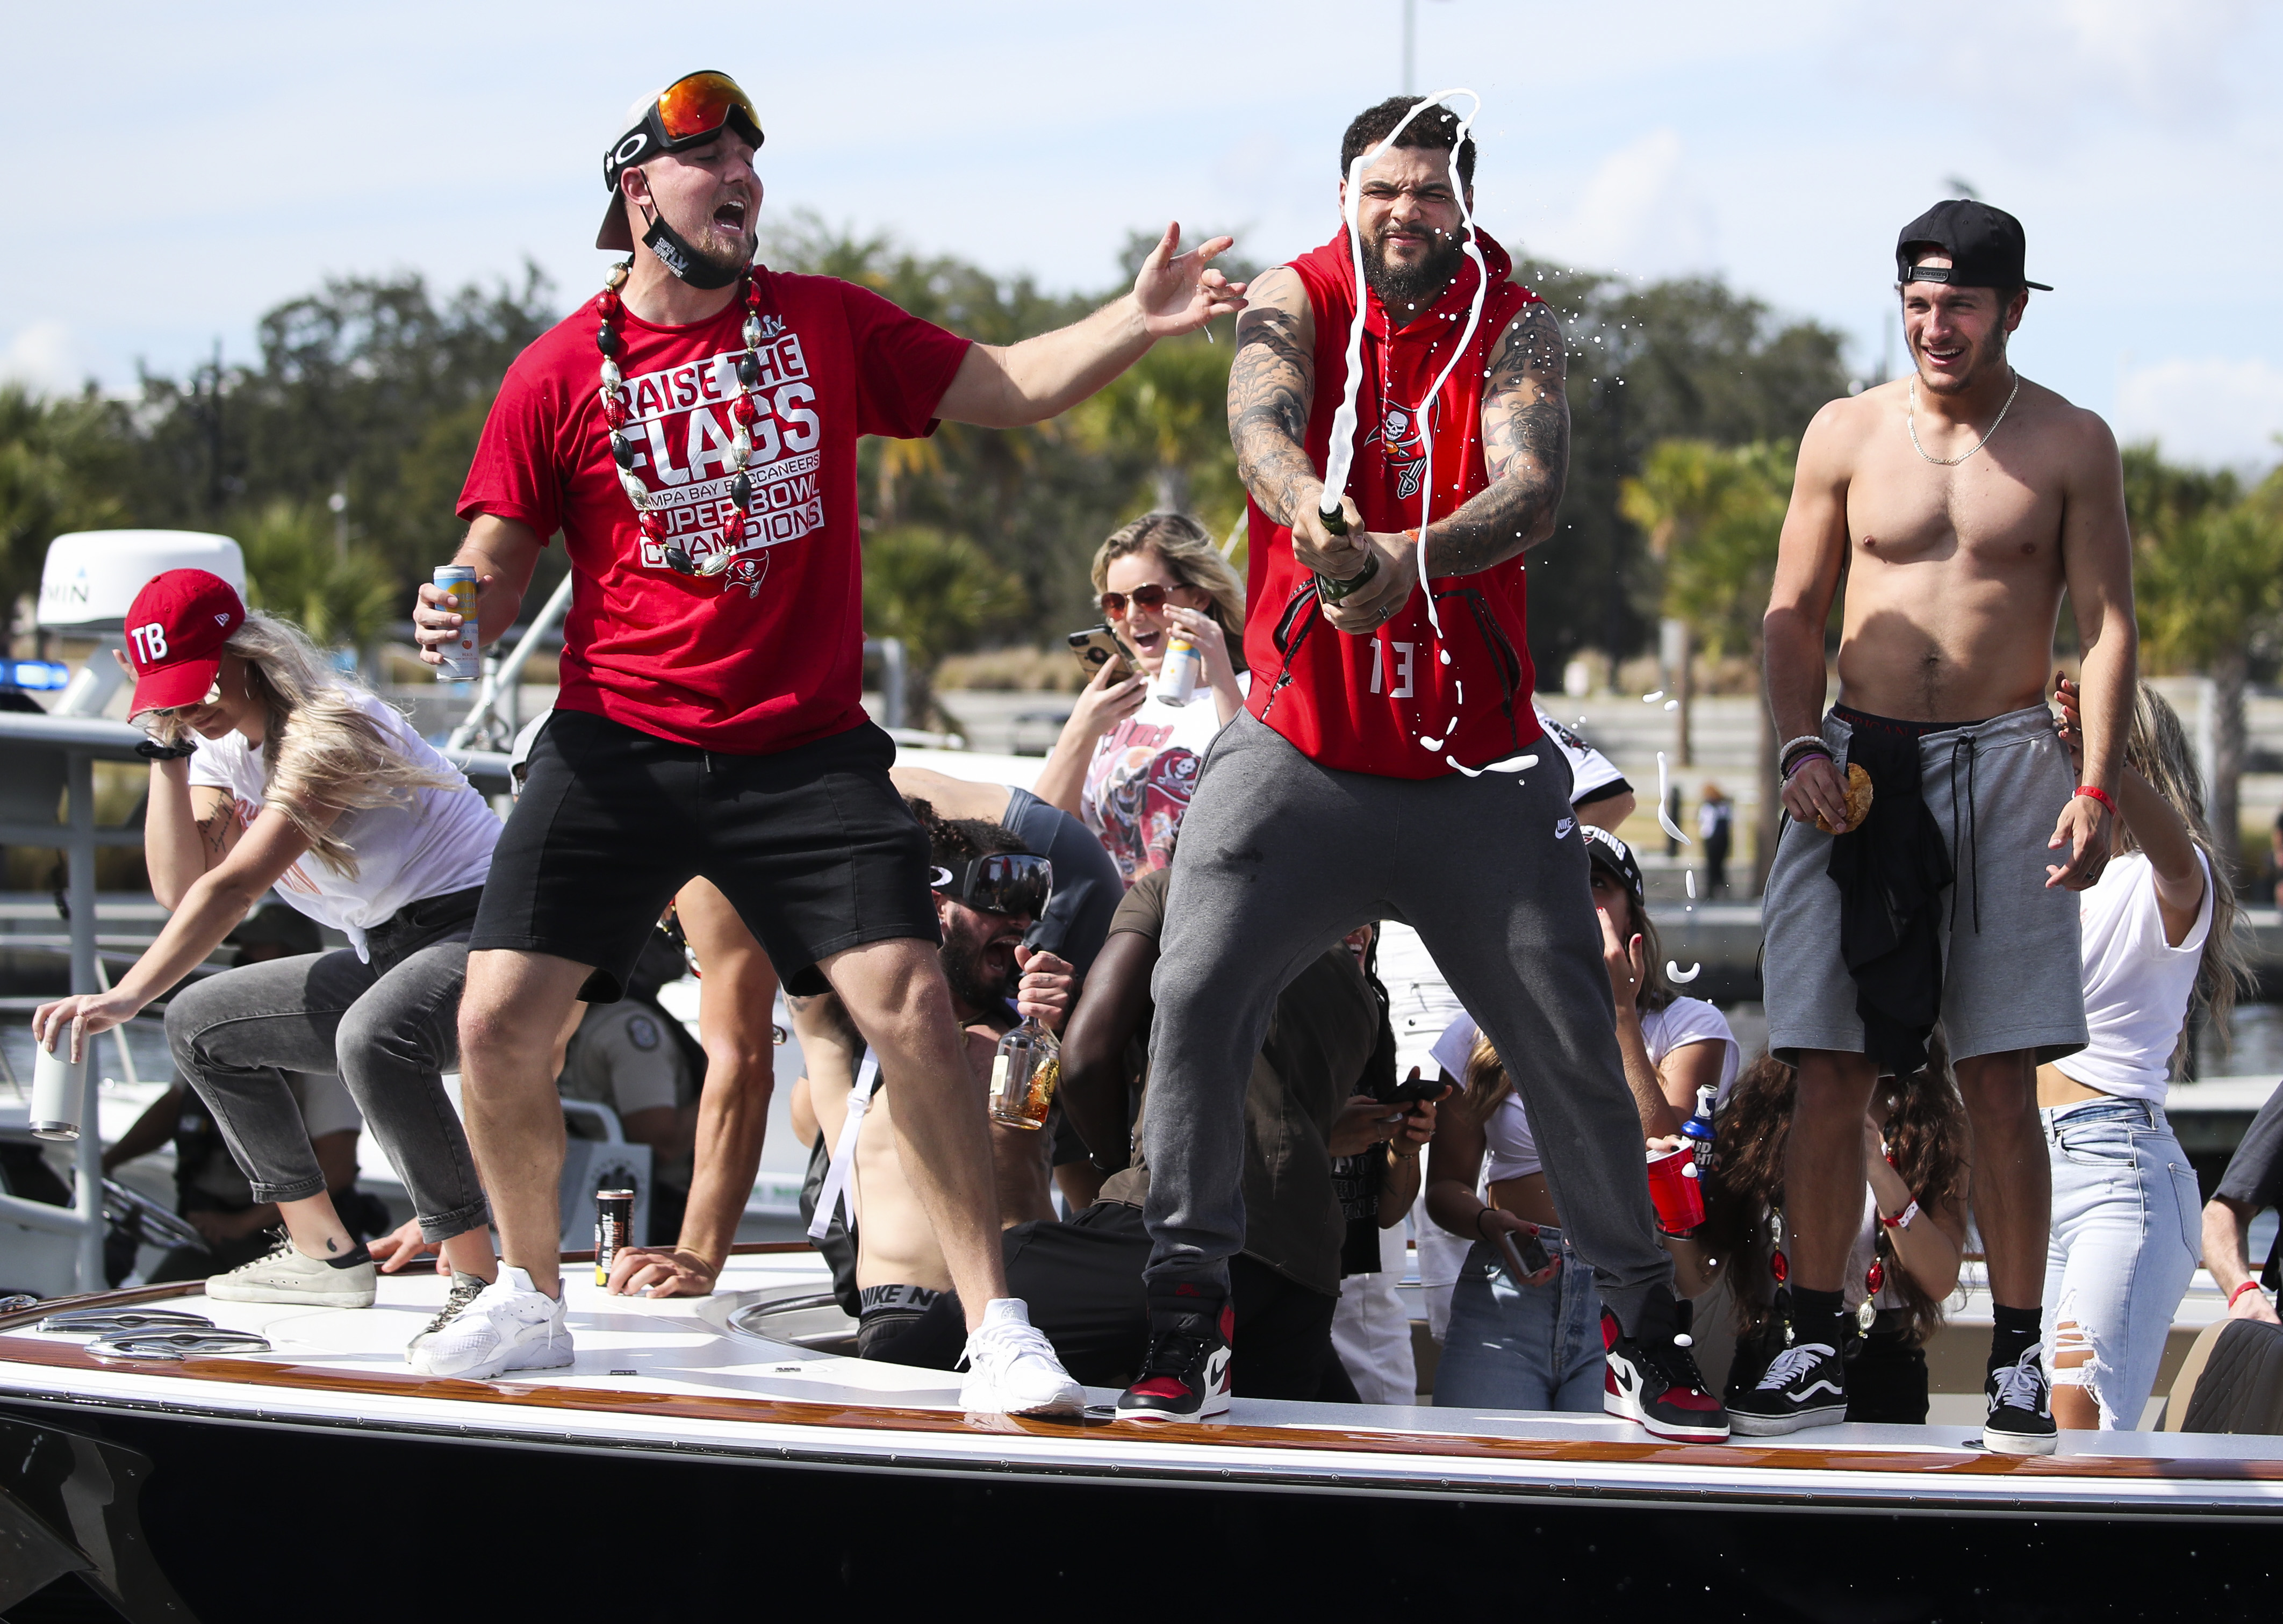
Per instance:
x=61, y=465
x=1713, y=515
x=1174, y=403
x=2207, y=582
x=938, y=593
x=343, y=594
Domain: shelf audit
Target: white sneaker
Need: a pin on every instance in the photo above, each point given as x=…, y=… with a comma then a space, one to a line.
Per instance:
x=288, y=1274
x=1012, y=1369
x=466, y=1289
x=509, y=1326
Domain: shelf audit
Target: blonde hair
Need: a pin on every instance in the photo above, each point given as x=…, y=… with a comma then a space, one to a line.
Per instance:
x=321, y=753
x=1193, y=560
x=2156, y=747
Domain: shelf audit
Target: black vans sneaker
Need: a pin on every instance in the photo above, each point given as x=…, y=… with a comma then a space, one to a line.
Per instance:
x=1806, y=1386
x=1652, y=1376
x=2021, y=1408
x=1185, y=1376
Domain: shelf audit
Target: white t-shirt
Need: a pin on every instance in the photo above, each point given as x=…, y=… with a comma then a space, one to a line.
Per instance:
x=1139, y=784
x=1591, y=773
x=432, y=844
x=1512, y=1150
x=2137, y=986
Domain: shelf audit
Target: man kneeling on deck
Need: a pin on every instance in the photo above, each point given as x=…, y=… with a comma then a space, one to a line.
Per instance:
x=984, y=911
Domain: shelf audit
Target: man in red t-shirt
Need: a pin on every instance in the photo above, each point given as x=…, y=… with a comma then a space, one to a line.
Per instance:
x=1391, y=764
x=691, y=433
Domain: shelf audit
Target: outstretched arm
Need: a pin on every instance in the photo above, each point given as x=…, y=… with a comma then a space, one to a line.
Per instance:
x=1004, y=386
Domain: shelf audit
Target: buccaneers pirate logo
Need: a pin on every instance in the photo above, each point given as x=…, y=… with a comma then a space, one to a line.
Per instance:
x=748, y=572
x=1401, y=448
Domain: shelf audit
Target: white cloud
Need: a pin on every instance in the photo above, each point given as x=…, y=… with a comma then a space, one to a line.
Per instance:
x=1640, y=213
x=2213, y=412
x=43, y=355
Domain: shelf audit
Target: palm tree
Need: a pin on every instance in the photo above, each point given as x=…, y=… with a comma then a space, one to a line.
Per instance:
x=937, y=594
x=2208, y=581
x=1175, y=403
x=298, y=565
x=1713, y=515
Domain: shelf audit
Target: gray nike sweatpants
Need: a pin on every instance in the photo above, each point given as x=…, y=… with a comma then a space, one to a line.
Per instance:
x=1278, y=858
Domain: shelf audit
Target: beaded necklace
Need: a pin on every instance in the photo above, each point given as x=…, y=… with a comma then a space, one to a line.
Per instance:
x=743, y=414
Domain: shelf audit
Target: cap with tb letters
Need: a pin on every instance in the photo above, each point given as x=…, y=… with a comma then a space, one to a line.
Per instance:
x=176, y=630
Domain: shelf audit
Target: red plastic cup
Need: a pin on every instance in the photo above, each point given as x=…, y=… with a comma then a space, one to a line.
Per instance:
x=1677, y=1191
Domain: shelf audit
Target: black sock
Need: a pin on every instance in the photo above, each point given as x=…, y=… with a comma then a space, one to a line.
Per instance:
x=351, y=1258
x=1815, y=1317
x=2015, y=1331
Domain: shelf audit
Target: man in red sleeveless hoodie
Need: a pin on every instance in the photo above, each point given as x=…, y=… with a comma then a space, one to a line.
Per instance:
x=1390, y=764
x=691, y=433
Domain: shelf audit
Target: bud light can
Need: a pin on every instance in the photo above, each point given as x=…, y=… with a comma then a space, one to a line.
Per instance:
x=462, y=662
x=614, y=1221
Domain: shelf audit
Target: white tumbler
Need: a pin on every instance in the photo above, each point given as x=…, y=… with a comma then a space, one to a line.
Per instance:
x=57, y=1089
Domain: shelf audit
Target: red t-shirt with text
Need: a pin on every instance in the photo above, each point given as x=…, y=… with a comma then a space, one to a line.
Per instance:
x=769, y=653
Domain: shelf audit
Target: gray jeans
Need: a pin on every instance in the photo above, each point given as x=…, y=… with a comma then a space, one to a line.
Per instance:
x=389, y=1030
x=1278, y=858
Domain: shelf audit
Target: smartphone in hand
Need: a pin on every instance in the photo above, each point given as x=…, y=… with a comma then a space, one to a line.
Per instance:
x=1097, y=647
x=1525, y=1256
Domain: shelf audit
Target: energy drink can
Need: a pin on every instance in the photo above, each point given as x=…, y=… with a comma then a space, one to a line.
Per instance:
x=58, y=1087
x=1179, y=676
x=614, y=1223
x=462, y=662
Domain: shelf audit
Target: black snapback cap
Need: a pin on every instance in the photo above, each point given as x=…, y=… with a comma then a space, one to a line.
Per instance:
x=1606, y=851
x=1985, y=245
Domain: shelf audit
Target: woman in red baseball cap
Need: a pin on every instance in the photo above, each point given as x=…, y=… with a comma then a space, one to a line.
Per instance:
x=268, y=770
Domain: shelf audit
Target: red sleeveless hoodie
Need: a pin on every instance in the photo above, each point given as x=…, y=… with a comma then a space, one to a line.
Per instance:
x=1399, y=703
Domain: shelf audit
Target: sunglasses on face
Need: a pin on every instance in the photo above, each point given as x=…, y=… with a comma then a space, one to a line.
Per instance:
x=1149, y=595
x=1012, y=882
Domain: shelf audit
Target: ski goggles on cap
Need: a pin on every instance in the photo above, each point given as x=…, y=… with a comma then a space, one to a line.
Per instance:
x=689, y=113
x=1003, y=882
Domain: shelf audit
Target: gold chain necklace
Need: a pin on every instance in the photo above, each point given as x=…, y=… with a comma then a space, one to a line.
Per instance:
x=1911, y=422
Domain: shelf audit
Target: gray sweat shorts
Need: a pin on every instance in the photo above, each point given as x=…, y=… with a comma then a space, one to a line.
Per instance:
x=2013, y=977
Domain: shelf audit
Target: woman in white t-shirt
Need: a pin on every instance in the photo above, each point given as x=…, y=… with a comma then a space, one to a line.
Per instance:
x=1536, y=1344
x=2158, y=931
x=1126, y=763
x=267, y=771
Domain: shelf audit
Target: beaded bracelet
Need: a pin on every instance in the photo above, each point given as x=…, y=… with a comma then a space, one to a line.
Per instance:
x=1799, y=758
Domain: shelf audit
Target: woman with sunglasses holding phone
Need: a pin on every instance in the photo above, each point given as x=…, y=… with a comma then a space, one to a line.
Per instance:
x=1127, y=762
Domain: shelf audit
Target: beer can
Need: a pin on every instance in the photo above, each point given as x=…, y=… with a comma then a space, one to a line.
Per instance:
x=614, y=1223
x=1179, y=676
x=58, y=1089
x=462, y=662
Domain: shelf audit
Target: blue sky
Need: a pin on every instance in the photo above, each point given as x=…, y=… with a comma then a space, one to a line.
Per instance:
x=190, y=166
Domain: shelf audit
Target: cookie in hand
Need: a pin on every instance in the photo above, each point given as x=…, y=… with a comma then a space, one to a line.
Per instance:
x=1858, y=801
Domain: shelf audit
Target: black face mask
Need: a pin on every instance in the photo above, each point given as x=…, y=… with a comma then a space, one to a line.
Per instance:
x=678, y=255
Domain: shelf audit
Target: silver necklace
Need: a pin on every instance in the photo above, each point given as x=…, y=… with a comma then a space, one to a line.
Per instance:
x=1911, y=422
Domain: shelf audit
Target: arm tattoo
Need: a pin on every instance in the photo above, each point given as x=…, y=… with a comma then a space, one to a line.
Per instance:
x=1270, y=384
x=1525, y=445
x=214, y=830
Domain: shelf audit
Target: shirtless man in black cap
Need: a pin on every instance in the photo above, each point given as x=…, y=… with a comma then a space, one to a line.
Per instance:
x=1958, y=503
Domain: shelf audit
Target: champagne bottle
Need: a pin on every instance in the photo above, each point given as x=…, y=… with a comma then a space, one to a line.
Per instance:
x=1332, y=588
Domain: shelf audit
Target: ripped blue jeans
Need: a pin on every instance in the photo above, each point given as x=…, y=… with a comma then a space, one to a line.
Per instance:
x=2126, y=1236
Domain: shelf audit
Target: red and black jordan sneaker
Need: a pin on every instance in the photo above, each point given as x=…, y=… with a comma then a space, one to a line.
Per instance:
x=1653, y=1377
x=1185, y=1376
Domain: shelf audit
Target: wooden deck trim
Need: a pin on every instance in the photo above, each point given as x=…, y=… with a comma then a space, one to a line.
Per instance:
x=903, y=1418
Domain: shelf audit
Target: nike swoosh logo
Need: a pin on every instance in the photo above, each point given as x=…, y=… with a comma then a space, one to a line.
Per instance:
x=1216, y=1370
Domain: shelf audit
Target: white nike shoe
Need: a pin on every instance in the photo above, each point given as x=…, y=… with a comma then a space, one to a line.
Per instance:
x=1013, y=1370
x=509, y=1326
x=287, y=1274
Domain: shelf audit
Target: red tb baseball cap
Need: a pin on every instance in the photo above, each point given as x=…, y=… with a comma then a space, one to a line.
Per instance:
x=176, y=629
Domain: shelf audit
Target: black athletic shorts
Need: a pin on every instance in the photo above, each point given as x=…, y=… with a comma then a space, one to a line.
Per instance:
x=812, y=845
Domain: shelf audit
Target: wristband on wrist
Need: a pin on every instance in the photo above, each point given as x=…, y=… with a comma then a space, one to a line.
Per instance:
x=152, y=750
x=2101, y=796
x=1901, y=1220
x=2233, y=1295
x=1807, y=744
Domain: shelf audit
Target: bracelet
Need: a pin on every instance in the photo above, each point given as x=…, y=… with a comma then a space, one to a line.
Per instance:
x=2232, y=1296
x=2101, y=796
x=1799, y=758
x=1485, y=1213
x=1783, y=756
x=1901, y=1220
